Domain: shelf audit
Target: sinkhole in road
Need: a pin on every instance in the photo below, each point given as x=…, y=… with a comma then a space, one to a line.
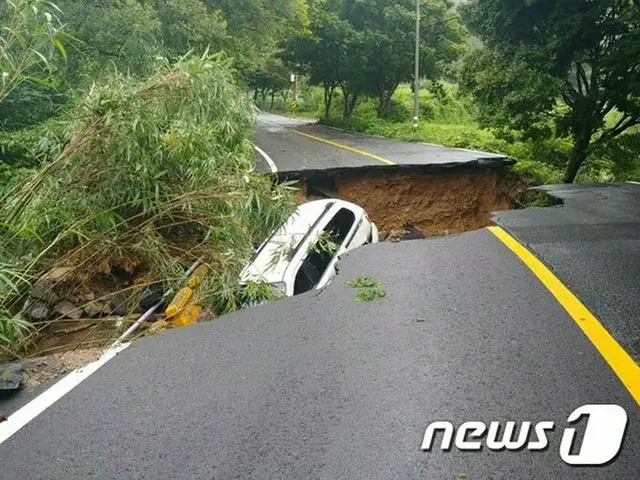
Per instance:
x=413, y=203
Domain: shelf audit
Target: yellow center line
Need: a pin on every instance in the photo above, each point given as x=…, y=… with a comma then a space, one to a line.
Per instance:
x=618, y=359
x=345, y=147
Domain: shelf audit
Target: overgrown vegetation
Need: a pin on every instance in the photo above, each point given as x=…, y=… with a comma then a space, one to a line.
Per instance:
x=140, y=172
x=153, y=175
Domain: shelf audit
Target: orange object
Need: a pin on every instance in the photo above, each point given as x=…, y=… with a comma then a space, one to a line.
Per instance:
x=188, y=316
x=196, y=277
x=179, y=302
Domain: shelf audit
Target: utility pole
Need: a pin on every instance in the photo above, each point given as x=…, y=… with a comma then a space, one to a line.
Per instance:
x=416, y=86
x=294, y=80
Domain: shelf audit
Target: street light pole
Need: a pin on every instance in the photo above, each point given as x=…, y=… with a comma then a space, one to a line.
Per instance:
x=416, y=87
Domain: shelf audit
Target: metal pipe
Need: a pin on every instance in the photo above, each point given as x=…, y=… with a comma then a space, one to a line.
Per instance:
x=152, y=310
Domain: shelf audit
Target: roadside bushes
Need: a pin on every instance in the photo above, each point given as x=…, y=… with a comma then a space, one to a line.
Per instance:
x=450, y=122
x=152, y=174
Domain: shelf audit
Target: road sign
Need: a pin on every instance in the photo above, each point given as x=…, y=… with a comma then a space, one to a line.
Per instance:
x=294, y=106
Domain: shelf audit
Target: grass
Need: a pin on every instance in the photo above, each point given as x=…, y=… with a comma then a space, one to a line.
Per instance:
x=151, y=175
x=370, y=295
x=369, y=289
x=363, y=282
x=13, y=331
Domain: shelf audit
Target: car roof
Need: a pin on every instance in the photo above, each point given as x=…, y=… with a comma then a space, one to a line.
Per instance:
x=272, y=259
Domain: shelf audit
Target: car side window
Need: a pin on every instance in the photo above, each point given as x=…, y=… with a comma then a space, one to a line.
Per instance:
x=318, y=260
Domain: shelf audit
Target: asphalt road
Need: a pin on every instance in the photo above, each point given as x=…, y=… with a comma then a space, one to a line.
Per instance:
x=295, y=144
x=592, y=243
x=320, y=386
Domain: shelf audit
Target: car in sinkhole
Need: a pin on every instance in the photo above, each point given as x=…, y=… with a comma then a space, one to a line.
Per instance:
x=302, y=255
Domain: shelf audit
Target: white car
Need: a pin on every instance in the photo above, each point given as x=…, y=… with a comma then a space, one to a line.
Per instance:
x=303, y=253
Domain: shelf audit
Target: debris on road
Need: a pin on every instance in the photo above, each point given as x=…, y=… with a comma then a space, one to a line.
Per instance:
x=11, y=376
x=42, y=369
x=369, y=289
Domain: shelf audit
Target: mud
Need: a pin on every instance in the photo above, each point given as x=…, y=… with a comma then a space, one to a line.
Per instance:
x=49, y=367
x=435, y=204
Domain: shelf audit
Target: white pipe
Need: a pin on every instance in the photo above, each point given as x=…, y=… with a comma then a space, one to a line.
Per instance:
x=152, y=310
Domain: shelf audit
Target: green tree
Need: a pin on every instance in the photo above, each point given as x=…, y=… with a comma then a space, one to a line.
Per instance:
x=387, y=28
x=271, y=78
x=190, y=25
x=558, y=63
x=125, y=34
x=368, y=47
x=256, y=28
x=322, y=52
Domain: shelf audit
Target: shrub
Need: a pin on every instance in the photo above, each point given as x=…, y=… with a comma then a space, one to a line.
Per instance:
x=155, y=174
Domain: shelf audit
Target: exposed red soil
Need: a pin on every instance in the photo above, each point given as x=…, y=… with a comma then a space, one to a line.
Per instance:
x=435, y=204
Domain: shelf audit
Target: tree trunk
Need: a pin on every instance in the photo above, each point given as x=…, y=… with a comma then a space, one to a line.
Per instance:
x=328, y=100
x=578, y=155
x=383, y=106
x=264, y=96
x=346, y=100
x=255, y=96
x=384, y=103
x=350, y=101
x=273, y=98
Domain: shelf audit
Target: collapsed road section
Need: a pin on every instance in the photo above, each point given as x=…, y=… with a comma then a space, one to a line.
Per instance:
x=426, y=189
x=430, y=200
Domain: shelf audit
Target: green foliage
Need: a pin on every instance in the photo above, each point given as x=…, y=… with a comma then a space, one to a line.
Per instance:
x=270, y=80
x=13, y=331
x=29, y=104
x=126, y=35
x=325, y=244
x=364, y=48
x=190, y=25
x=369, y=289
x=370, y=295
x=557, y=68
x=118, y=35
x=363, y=282
x=154, y=174
x=257, y=27
x=31, y=37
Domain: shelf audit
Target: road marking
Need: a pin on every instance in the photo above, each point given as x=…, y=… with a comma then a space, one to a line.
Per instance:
x=345, y=147
x=267, y=158
x=633, y=183
x=618, y=359
x=43, y=401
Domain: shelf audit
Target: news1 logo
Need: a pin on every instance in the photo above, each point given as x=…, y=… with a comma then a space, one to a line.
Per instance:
x=601, y=442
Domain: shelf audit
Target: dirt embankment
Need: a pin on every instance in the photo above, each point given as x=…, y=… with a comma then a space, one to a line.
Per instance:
x=436, y=204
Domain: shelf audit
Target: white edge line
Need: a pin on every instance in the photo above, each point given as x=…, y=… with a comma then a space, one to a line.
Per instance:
x=633, y=183
x=272, y=165
x=43, y=401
